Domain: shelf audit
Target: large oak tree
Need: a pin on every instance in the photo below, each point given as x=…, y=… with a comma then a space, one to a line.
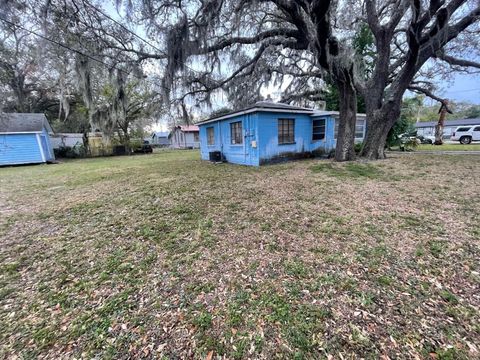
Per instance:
x=317, y=37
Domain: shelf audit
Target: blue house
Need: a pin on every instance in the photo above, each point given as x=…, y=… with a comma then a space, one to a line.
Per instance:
x=267, y=132
x=24, y=139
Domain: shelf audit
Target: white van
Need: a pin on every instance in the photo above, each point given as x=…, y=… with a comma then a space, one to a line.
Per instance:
x=466, y=134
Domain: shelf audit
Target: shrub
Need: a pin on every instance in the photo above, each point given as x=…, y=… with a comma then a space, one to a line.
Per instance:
x=61, y=152
x=77, y=151
x=135, y=144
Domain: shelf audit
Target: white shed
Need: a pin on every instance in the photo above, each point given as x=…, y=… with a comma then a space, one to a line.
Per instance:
x=185, y=137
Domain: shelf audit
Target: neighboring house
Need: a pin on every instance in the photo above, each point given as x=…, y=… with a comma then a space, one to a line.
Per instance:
x=185, y=137
x=159, y=138
x=60, y=140
x=24, y=139
x=266, y=132
x=427, y=128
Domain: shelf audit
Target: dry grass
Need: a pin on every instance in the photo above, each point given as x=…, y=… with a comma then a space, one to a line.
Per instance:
x=167, y=256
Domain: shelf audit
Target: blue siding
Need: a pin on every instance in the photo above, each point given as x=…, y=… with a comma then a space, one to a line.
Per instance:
x=329, y=142
x=25, y=148
x=19, y=149
x=268, y=133
x=244, y=153
x=262, y=128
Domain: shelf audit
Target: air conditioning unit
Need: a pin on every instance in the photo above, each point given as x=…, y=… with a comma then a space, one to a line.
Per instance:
x=215, y=156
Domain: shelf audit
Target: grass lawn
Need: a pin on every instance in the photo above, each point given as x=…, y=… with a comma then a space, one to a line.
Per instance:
x=450, y=147
x=165, y=256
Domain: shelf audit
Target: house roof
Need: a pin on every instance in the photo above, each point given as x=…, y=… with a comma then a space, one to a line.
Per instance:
x=160, y=134
x=23, y=123
x=458, y=122
x=266, y=106
x=275, y=105
x=69, y=135
x=188, y=128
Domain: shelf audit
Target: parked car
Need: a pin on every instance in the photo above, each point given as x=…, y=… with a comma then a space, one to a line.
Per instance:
x=466, y=134
x=145, y=148
x=426, y=139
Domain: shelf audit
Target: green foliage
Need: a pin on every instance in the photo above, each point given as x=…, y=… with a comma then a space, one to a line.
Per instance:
x=135, y=143
x=461, y=110
x=473, y=112
x=409, y=143
x=358, y=147
x=405, y=123
x=203, y=320
x=449, y=297
x=331, y=96
x=363, y=43
x=137, y=132
x=69, y=152
x=295, y=268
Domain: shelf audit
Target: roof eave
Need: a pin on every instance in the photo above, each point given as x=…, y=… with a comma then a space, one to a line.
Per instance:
x=251, y=110
x=19, y=132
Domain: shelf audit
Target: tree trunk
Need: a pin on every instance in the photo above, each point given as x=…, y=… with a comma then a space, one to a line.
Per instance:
x=20, y=94
x=375, y=141
x=345, y=150
x=379, y=124
x=441, y=121
x=438, y=134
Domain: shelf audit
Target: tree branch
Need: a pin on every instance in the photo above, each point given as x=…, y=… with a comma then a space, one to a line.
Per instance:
x=287, y=33
x=456, y=61
x=430, y=94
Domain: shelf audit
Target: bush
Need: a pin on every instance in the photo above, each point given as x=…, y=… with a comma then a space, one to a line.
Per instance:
x=61, y=152
x=135, y=144
x=77, y=151
x=408, y=143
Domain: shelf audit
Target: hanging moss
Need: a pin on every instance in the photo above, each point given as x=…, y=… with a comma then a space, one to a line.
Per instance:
x=83, y=70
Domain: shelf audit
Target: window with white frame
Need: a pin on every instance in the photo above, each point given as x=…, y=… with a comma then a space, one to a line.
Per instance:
x=360, y=127
x=318, y=130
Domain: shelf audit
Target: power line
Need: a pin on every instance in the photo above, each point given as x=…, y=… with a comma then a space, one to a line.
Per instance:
x=124, y=27
x=77, y=51
x=458, y=91
x=144, y=40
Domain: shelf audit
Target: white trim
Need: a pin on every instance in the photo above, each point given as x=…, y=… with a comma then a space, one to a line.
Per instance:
x=41, y=148
x=20, y=132
x=335, y=114
x=255, y=109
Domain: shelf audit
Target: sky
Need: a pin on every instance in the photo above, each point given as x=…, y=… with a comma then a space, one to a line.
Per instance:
x=463, y=88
